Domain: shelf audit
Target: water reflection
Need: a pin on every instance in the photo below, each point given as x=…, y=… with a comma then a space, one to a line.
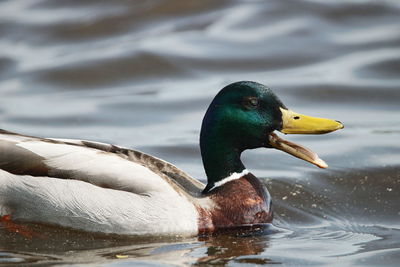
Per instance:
x=226, y=249
x=342, y=240
x=233, y=246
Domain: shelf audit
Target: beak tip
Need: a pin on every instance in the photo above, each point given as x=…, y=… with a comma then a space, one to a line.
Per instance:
x=340, y=125
x=320, y=163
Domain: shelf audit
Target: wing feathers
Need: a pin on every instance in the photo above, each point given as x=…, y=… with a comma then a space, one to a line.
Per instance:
x=18, y=160
x=101, y=164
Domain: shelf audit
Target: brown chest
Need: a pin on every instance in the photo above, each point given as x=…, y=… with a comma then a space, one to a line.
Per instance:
x=241, y=202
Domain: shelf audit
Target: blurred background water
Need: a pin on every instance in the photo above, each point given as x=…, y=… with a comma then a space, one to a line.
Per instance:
x=141, y=74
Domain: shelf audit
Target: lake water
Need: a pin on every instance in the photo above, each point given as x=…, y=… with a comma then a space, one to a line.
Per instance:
x=141, y=74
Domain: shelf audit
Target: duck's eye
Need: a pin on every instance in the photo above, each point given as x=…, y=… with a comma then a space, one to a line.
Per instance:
x=251, y=102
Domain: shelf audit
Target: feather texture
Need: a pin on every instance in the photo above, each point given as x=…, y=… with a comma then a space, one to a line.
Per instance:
x=81, y=205
x=94, y=187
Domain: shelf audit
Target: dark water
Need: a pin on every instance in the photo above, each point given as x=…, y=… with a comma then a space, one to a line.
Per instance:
x=141, y=74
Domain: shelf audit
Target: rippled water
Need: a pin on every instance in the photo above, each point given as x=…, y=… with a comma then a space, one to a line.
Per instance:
x=141, y=74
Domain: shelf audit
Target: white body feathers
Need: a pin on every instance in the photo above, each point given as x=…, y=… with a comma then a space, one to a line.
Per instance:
x=84, y=186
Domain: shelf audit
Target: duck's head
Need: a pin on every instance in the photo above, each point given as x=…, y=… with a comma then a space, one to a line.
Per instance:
x=244, y=115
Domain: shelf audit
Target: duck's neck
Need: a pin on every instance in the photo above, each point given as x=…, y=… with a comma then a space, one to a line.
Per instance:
x=220, y=159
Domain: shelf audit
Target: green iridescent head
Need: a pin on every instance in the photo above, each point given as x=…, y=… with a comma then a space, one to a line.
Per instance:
x=243, y=115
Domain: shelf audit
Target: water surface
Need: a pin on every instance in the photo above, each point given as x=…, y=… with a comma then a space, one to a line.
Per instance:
x=142, y=73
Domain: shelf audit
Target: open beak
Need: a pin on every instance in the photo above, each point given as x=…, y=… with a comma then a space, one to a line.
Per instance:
x=295, y=123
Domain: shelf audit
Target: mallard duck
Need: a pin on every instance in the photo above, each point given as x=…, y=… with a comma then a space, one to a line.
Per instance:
x=99, y=187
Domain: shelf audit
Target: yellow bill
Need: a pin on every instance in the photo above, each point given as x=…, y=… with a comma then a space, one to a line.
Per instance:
x=295, y=123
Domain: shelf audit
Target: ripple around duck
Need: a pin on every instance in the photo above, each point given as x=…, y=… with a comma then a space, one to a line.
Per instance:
x=343, y=241
x=337, y=195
